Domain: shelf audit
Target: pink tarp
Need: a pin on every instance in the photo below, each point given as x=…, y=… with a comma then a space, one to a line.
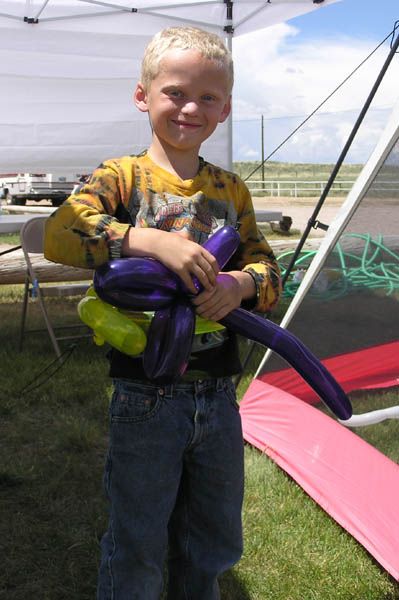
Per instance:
x=352, y=481
x=374, y=367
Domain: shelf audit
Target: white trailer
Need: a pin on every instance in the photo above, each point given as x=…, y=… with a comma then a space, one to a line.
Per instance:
x=17, y=188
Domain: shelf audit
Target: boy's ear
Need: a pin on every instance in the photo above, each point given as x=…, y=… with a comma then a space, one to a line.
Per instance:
x=140, y=97
x=226, y=111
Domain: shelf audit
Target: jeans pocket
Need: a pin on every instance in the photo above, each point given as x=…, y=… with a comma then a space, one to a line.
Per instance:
x=230, y=391
x=134, y=405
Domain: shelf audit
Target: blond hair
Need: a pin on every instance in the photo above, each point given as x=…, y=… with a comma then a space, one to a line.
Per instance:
x=208, y=44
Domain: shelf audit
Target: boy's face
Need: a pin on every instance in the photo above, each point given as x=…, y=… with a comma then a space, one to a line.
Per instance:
x=186, y=100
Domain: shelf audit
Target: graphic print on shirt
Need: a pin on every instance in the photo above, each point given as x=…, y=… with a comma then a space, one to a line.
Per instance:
x=197, y=214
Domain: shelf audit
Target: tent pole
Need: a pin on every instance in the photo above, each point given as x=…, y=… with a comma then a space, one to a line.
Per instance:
x=230, y=117
x=313, y=220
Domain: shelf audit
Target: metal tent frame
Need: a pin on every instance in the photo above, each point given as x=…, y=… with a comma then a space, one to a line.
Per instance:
x=75, y=62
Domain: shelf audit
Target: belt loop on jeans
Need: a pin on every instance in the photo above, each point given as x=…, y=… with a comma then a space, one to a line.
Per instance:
x=198, y=385
x=166, y=390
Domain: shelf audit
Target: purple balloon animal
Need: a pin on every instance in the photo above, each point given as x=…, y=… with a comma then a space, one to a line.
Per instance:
x=146, y=284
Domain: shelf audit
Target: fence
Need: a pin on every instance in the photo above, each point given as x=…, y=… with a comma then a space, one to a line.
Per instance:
x=297, y=189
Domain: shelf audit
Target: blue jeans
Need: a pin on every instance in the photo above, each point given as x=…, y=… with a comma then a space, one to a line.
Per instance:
x=174, y=480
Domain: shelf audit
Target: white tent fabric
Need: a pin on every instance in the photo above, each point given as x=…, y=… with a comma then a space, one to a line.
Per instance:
x=128, y=16
x=68, y=69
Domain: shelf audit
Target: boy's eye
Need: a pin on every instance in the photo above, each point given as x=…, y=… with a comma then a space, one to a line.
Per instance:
x=208, y=97
x=175, y=93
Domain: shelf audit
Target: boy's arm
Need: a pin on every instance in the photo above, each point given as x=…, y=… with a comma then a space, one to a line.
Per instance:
x=85, y=230
x=252, y=278
x=255, y=257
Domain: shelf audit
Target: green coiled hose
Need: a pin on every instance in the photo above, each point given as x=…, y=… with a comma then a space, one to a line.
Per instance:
x=375, y=267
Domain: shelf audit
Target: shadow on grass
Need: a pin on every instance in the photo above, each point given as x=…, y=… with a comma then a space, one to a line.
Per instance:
x=232, y=588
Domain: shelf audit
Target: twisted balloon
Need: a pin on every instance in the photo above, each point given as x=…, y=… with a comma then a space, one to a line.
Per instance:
x=143, y=284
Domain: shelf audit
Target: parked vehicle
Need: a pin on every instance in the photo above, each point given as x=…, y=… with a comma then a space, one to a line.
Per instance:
x=17, y=188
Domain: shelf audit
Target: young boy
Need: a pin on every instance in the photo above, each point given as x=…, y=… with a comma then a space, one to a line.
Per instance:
x=174, y=473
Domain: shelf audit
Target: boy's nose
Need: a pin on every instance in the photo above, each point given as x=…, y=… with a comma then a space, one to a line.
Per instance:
x=190, y=107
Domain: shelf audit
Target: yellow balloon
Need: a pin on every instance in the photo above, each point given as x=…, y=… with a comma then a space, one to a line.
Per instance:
x=111, y=326
x=125, y=330
x=143, y=319
x=206, y=326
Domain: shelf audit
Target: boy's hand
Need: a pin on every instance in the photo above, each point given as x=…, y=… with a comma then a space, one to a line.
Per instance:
x=230, y=290
x=222, y=299
x=187, y=259
x=176, y=251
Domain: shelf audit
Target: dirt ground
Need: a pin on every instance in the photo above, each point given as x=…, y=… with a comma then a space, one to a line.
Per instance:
x=300, y=210
x=374, y=216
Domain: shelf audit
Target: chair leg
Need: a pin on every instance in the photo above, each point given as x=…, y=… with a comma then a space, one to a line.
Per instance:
x=48, y=323
x=24, y=311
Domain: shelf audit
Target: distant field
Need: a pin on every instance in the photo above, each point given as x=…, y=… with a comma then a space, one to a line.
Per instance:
x=284, y=171
x=295, y=179
x=298, y=180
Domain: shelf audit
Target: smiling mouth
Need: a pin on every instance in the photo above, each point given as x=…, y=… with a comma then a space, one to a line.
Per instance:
x=184, y=124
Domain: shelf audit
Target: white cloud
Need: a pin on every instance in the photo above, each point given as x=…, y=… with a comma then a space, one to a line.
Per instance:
x=248, y=153
x=279, y=74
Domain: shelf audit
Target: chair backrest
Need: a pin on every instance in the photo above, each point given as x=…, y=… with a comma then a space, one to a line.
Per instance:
x=32, y=235
x=32, y=242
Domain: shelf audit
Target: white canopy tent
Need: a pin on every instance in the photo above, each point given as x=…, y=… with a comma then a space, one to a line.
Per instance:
x=68, y=69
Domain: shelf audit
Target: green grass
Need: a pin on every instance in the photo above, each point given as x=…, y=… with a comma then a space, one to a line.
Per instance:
x=53, y=444
x=276, y=235
x=294, y=551
x=385, y=435
x=52, y=447
x=10, y=238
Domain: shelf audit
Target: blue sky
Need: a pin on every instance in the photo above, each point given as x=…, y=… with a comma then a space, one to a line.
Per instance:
x=284, y=72
x=370, y=19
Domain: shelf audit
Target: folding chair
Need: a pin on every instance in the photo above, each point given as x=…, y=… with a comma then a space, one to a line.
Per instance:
x=32, y=234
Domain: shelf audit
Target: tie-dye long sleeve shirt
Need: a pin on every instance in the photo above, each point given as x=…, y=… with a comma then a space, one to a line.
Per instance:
x=88, y=229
